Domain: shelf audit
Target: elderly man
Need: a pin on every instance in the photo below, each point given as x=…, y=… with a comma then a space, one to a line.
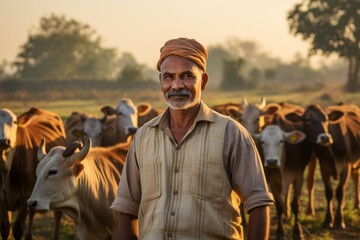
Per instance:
x=188, y=169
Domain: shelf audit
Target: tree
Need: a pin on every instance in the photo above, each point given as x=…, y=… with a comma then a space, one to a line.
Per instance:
x=232, y=78
x=332, y=26
x=65, y=49
x=131, y=71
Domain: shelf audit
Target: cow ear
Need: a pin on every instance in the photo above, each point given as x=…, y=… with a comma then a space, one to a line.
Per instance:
x=107, y=110
x=293, y=117
x=335, y=115
x=272, y=108
x=294, y=137
x=78, y=133
x=143, y=109
x=233, y=112
x=77, y=169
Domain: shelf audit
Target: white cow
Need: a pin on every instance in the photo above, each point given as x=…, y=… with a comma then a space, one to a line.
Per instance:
x=80, y=126
x=82, y=185
x=124, y=120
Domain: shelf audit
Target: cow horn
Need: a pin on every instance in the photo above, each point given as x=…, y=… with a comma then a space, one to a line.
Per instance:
x=79, y=156
x=262, y=104
x=244, y=102
x=41, y=153
x=71, y=149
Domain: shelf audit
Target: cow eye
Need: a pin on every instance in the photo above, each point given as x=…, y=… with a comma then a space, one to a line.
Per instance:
x=120, y=114
x=15, y=122
x=281, y=141
x=52, y=172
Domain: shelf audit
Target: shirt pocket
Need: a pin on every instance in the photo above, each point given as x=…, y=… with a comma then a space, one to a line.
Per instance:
x=150, y=177
x=207, y=181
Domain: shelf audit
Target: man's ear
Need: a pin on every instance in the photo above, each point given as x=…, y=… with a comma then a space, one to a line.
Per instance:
x=204, y=80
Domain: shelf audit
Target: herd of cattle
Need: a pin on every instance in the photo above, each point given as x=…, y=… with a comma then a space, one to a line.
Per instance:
x=74, y=168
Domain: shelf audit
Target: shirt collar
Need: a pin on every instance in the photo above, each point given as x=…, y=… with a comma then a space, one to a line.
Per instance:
x=204, y=114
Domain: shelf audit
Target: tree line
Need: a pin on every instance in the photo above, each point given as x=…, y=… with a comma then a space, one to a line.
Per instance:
x=62, y=49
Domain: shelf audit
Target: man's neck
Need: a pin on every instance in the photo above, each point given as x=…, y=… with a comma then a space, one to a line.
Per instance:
x=180, y=121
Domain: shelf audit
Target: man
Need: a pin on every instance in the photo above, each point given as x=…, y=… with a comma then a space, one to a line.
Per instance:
x=187, y=169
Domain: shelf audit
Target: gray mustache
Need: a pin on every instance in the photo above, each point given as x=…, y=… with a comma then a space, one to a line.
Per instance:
x=182, y=92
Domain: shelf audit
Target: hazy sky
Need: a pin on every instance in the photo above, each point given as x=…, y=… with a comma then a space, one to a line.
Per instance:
x=142, y=26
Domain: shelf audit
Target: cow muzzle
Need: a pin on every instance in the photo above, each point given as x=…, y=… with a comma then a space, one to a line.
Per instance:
x=38, y=205
x=324, y=139
x=272, y=163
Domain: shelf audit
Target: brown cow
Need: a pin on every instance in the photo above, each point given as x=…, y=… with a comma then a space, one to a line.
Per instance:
x=83, y=185
x=290, y=172
x=146, y=112
x=19, y=140
x=223, y=108
x=335, y=136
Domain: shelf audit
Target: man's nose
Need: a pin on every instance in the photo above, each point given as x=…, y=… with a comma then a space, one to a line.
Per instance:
x=178, y=83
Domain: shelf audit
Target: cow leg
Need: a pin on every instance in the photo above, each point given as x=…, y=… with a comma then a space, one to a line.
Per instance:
x=275, y=182
x=18, y=226
x=5, y=225
x=287, y=205
x=297, y=230
x=340, y=196
x=310, y=182
x=356, y=179
x=329, y=218
x=57, y=217
x=28, y=235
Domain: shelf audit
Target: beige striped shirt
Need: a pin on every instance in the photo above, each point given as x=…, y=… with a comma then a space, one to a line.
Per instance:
x=192, y=190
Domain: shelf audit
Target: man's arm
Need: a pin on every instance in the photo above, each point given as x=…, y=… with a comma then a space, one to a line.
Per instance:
x=127, y=228
x=259, y=223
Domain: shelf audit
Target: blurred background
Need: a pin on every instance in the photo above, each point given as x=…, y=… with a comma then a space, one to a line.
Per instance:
x=80, y=55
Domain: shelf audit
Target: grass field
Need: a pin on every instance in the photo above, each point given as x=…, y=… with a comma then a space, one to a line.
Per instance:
x=66, y=102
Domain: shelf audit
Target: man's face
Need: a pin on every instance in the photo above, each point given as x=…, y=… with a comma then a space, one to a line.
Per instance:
x=181, y=82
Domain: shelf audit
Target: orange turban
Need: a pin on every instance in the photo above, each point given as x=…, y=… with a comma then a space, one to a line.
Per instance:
x=186, y=48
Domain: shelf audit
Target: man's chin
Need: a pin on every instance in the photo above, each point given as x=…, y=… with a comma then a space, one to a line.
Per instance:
x=181, y=106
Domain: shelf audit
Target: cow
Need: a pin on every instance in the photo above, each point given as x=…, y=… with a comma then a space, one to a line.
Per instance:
x=223, y=108
x=334, y=133
x=146, y=112
x=123, y=119
x=19, y=141
x=255, y=117
x=82, y=184
x=79, y=126
x=283, y=165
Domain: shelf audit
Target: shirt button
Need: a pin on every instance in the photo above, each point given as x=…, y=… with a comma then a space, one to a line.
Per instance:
x=169, y=234
x=176, y=169
x=175, y=192
x=172, y=213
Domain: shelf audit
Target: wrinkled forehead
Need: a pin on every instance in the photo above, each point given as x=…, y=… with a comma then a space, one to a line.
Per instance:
x=7, y=116
x=126, y=107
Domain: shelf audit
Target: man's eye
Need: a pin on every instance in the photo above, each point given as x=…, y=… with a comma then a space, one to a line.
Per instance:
x=187, y=76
